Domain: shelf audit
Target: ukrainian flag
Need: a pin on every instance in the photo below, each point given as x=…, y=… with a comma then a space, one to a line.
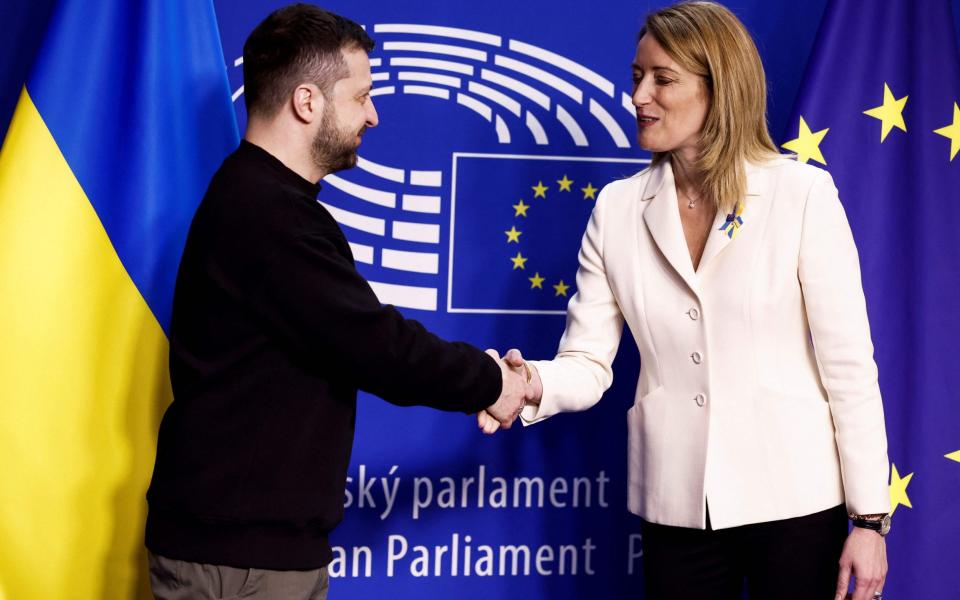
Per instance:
x=125, y=117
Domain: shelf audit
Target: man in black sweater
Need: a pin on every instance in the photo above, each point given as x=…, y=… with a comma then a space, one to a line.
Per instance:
x=274, y=331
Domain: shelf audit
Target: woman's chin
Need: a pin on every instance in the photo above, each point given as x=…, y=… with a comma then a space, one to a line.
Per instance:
x=648, y=145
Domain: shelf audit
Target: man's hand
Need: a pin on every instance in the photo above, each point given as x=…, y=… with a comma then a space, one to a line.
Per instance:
x=513, y=393
x=516, y=360
x=505, y=411
x=865, y=557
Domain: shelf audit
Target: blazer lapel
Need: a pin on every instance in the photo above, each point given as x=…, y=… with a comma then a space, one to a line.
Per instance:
x=728, y=226
x=663, y=220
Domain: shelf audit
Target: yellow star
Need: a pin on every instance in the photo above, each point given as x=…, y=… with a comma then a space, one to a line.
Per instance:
x=513, y=235
x=561, y=289
x=955, y=456
x=518, y=261
x=807, y=145
x=589, y=192
x=536, y=281
x=565, y=184
x=540, y=190
x=890, y=112
x=952, y=131
x=898, y=490
x=521, y=209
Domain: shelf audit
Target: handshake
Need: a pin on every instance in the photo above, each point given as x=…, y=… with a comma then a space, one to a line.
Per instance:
x=521, y=385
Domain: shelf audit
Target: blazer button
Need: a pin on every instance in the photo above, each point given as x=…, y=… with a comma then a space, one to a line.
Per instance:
x=694, y=313
x=700, y=399
x=696, y=358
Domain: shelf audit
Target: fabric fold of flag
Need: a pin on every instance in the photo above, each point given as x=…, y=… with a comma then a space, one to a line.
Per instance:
x=126, y=115
x=879, y=109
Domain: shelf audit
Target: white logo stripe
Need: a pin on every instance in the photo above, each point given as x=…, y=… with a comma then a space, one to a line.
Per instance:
x=429, y=77
x=478, y=55
x=503, y=132
x=475, y=105
x=498, y=97
x=416, y=262
x=356, y=221
x=405, y=295
x=539, y=135
x=362, y=253
x=451, y=32
x=550, y=79
x=422, y=204
x=425, y=233
x=431, y=63
x=619, y=138
x=427, y=178
x=383, y=91
x=627, y=102
x=517, y=86
x=426, y=90
x=371, y=195
x=382, y=171
x=573, y=128
x=588, y=75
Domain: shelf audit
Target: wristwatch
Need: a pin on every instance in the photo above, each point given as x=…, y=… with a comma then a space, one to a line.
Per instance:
x=879, y=523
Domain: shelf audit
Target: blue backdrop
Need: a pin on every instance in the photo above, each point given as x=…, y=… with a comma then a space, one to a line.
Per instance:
x=499, y=120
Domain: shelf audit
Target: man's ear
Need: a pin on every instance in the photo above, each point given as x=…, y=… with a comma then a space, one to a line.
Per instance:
x=307, y=102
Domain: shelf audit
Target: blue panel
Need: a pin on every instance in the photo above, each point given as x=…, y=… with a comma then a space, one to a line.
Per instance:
x=135, y=94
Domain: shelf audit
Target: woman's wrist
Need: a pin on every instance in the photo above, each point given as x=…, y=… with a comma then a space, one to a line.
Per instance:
x=533, y=378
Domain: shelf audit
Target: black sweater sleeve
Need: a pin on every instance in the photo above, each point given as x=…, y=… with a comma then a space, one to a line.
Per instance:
x=313, y=296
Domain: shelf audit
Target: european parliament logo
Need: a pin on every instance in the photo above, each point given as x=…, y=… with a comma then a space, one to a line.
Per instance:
x=472, y=194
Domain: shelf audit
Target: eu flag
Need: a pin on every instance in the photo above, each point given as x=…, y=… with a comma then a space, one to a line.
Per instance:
x=516, y=224
x=123, y=120
x=879, y=108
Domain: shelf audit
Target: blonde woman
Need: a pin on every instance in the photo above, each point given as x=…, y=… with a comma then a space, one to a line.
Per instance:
x=757, y=433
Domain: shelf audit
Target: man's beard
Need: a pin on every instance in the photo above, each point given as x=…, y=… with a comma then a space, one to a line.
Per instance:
x=334, y=149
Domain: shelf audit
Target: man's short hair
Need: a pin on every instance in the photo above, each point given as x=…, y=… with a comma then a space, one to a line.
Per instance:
x=299, y=43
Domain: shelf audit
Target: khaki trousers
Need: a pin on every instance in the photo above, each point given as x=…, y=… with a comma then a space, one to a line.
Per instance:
x=173, y=579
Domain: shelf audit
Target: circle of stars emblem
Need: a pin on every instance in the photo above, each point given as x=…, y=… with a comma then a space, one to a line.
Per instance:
x=520, y=211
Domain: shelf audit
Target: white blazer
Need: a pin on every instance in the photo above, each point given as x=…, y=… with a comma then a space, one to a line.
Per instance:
x=757, y=391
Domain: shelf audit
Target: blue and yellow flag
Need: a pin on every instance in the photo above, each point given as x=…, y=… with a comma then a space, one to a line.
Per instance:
x=124, y=119
x=879, y=110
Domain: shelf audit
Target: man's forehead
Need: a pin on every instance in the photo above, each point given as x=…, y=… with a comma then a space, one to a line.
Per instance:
x=357, y=60
x=358, y=71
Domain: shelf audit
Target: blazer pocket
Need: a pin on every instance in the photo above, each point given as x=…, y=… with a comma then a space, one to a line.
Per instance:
x=645, y=398
x=636, y=420
x=638, y=443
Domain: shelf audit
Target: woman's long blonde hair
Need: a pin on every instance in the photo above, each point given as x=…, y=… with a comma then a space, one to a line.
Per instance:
x=710, y=41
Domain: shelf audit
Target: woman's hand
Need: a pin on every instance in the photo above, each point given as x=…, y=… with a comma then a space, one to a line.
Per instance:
x=513, y=359
x=865, y=557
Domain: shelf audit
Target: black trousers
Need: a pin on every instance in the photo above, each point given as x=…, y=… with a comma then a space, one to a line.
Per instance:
x=780, y=560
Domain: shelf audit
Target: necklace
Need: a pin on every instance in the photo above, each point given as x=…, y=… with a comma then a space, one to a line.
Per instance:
x=691, y=203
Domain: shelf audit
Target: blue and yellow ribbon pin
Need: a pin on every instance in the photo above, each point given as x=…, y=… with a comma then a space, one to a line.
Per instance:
x=733, y=221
